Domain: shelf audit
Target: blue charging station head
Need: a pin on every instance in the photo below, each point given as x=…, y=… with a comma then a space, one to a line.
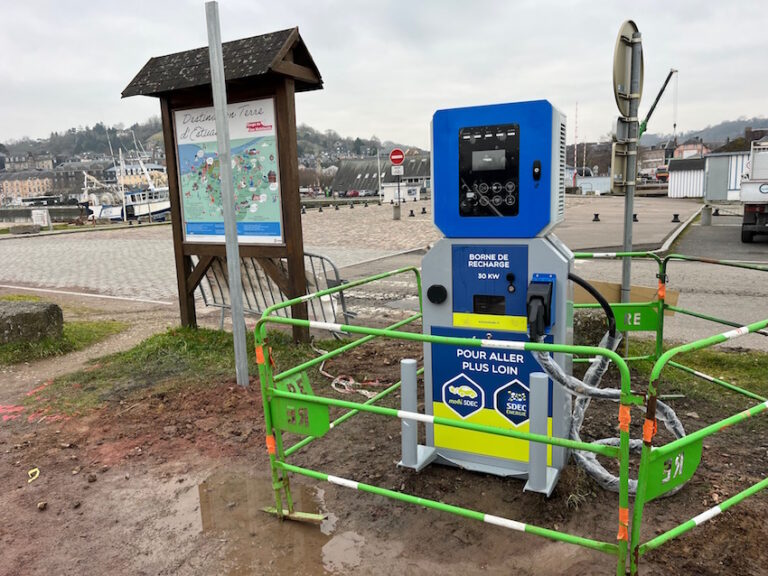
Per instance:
x=498, y=171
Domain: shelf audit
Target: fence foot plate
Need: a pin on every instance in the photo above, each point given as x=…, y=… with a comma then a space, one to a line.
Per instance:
x=297, y=516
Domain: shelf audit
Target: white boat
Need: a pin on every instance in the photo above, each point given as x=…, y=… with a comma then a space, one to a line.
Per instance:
x=151, y=204
x=113, y=202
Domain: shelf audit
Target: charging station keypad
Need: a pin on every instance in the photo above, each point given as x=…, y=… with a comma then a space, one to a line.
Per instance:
x=489, y=170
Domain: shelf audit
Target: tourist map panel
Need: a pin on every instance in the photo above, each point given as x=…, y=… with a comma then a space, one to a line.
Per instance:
x=255, y=173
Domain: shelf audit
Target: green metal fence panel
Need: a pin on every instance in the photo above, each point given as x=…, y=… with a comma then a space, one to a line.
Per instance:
x=606, y=547
x=291, y=406
x=297, y=415
x=670, y=471
x=636, y=317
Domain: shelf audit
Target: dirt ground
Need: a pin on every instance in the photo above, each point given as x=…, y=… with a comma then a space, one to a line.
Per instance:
x=173, y=484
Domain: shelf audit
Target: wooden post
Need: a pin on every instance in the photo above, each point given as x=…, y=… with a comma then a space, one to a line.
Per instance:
x=285, y=117
x=183, y=262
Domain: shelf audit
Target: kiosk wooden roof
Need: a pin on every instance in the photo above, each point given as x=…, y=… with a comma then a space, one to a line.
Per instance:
x=281, y=53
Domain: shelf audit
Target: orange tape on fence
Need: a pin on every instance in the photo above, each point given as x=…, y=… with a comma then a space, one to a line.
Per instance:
x=625, y=417
x=259, y=354
x=623, y=524
x=271, y=447
x=650, y=427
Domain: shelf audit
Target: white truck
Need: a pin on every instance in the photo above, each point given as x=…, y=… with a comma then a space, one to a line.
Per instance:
x=754, y=193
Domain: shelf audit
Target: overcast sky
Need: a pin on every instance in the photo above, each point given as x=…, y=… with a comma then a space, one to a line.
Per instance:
x=387, y=66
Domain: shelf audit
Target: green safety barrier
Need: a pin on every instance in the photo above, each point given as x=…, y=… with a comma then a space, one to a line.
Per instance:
x=290, y=405
x=632, y=316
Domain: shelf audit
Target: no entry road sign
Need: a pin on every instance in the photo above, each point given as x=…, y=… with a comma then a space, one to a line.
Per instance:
x=396, y=156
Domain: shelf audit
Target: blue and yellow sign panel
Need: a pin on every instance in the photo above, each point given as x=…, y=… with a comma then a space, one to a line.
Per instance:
x=484, y=386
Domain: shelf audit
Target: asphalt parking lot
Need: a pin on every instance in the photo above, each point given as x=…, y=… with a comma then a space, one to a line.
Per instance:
x=722, y=241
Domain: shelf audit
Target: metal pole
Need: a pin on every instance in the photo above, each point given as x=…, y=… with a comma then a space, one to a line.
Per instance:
x=576, y=145
x=378, y=171
x=121, y=187
x=227, y=190
x=537, y=452
x=629, y=199
x=409, y=403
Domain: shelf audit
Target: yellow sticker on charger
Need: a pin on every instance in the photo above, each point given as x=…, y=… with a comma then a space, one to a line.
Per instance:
x=490, y=322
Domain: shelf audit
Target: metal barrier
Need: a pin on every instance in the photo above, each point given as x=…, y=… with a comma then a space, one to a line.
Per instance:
x=290, y=405
x=667, y=467
x=260, y=291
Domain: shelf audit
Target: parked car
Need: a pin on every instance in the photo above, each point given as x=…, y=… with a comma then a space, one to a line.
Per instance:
x=367, y=192
x=352, y=194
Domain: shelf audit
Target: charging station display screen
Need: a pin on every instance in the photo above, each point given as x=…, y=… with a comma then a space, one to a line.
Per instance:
x=484, y=160
x=489, y=170
x=489, y=305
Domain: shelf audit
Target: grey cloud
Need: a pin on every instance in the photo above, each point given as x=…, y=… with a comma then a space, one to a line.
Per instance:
x=388, y=65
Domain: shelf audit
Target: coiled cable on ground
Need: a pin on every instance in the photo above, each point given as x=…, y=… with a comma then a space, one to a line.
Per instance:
x=585, y=390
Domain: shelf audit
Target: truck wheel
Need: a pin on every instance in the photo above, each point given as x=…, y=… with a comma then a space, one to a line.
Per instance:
x=747, y=237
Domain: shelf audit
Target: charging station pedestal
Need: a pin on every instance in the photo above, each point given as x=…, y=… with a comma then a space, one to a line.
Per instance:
x=498, y=190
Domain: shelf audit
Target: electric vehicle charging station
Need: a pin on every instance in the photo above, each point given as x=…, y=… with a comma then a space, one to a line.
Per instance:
x=498, y=274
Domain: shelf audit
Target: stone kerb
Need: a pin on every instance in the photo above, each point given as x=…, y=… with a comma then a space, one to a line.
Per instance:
x=29, y=321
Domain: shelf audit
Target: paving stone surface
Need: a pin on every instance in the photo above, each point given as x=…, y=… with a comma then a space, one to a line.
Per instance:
x=138, y=262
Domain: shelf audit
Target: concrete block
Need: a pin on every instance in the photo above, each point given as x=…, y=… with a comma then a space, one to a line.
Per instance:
x=29, y=321
x=25, y=229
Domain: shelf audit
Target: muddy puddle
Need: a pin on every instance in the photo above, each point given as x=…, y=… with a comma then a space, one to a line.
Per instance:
x=254, y=542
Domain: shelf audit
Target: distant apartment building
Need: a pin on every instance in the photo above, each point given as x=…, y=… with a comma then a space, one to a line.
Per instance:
x=29, y=161
x=655, y=156
x=691, y=149
x=650, y=159
x=362, y=174
x=16, y=163
x=16, y=186
x=68, y=177
x=752, y=134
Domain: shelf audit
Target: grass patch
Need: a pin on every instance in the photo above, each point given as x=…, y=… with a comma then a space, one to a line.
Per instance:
x=20, y=298
x=744, y=368
x=179, y=357
x=76, y=336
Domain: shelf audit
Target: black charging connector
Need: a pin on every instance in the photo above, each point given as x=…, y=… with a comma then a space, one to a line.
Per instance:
x=539, y=309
